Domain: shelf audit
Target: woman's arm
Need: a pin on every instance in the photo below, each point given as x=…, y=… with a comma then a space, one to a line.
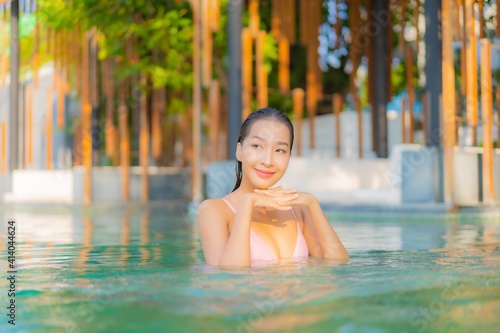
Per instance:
x=219, y=247
x=329, y=243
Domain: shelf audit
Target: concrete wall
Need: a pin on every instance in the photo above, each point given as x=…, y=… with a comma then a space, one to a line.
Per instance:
x=66, y=186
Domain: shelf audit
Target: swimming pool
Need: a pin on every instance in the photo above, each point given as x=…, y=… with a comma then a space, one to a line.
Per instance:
x=141, y=270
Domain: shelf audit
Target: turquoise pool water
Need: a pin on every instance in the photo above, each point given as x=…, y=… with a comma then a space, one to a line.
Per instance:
x=141, y=270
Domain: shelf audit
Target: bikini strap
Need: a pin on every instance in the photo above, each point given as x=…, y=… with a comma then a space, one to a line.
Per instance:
x=227, y=202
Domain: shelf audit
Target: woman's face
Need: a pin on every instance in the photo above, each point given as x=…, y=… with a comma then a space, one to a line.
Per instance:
x=264, y=153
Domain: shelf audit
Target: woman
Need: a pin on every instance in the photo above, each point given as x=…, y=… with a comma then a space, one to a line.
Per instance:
x=256, y=222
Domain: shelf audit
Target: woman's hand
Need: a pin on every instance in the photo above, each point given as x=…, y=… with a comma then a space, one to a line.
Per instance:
x=275, y=198
x=300, y=199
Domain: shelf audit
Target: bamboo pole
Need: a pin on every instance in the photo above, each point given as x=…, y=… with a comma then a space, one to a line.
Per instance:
x=144, y=143
x=48, y=134
x=471, y=66
x=246, y=73
x=262, y=89
x=4, y=147
x=30, y=124
x=298, y=112
x=448, y=101
x=487, y=121
x=337, y=109
x=214, y=111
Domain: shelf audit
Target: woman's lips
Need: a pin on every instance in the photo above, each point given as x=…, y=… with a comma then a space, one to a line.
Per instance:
x=264, y=174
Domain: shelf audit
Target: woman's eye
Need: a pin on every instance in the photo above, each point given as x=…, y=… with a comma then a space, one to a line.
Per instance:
x=256, y=146
x=281, y=150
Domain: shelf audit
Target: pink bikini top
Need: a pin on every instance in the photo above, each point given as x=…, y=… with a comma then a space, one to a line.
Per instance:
x=259, y=250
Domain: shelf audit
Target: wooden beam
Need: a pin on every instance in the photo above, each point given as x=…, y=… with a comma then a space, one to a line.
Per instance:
x=284, y=65
x=246, y=73
x=471, y=67
x=298, y=112
x=30, y=124
x=144, y=142
x=403, y=120
x=448, y=100
x=124, y=146
x=487, y=121
x=214, y=112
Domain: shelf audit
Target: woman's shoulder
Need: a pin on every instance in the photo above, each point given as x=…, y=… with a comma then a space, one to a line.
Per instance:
x=215, y=207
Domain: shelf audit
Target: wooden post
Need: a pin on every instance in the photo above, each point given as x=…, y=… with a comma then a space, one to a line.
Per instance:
x=409, y=89
x=480, y=6
x=144, y=142
x=60, y=103
x=124, y=146
x=337, y=109
x=498, y=113
x=402, y=22
x=497, y=27
x=246, y=73
x=463, y=55
x=298, y=112
x=403, y=120
x=284, y=65
x=86, y=122
x=417, y=29
x=214, y=111
x=107, y=81
x=471, y=65
x=262, y=92
x=30, y=124
x=206, y=42
x=48, y=134
x=487, y=115
x=159, y=97
x=448, y=100
x=196, y=190
x=253, y=8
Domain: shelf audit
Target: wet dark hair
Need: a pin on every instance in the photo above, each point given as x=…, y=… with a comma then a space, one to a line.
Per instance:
x=264, y=113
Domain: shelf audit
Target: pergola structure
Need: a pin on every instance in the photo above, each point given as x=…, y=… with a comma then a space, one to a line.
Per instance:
x=372, y=25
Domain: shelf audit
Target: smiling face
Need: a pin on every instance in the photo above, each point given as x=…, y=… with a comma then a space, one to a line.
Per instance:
x=264, y=153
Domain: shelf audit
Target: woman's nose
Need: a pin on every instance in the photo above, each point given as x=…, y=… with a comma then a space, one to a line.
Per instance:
x=267, y=157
